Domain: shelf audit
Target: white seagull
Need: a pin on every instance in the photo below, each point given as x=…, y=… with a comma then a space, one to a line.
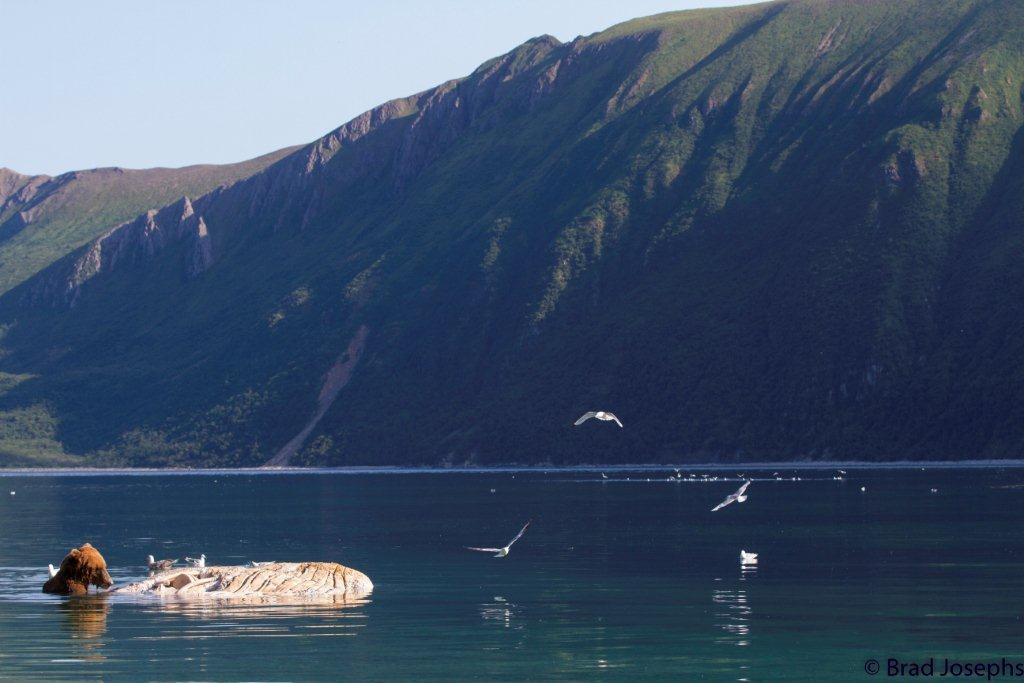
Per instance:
x=600, y=415
x=737, y=497
x=502, y=552
x=748, y=558
x=53, y=572
x=154, y=564
x=200, y=562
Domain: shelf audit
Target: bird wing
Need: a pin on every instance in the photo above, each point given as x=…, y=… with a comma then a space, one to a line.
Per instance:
x=485, y=550
x=519, y=535
x=617, y=420
x=584, y=417
x=721, y=505
x=743, y=488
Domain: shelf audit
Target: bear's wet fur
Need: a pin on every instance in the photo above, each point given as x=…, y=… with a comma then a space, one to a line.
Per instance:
x=79, y=568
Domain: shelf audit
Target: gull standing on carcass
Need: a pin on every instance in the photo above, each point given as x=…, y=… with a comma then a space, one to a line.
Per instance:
x=200, y=562
x=155, y=565
x=53, y=572
x=738, y=497
x=600, y=415
x=502, y=552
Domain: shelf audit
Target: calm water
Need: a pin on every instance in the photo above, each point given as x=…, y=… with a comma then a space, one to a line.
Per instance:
x=614, y=578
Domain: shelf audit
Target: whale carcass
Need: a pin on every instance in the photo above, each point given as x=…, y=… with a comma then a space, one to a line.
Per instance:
x=278, y=579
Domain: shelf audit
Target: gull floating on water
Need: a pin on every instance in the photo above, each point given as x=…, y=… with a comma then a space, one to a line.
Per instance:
x=200, y=562
x=738, y=497
x=748, y=558
x=53, y=572
x=158, y=564
x=502, y=552
x=600, y=415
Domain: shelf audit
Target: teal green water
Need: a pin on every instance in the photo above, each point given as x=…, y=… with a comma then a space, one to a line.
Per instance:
x=627, y=577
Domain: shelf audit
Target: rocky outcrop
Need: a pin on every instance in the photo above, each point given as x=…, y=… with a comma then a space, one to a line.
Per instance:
x=277, y=580
x=202, y=250
x=132, y=242
x=17, y=190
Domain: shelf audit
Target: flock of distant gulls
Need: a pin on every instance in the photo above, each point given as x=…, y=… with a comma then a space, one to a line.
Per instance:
x=740, y=496
x=197, y=562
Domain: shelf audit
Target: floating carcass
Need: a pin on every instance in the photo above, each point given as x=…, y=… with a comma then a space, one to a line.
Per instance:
x=302, y=580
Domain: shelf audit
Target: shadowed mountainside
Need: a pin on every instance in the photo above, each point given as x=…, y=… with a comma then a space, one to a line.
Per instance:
x=786, y=230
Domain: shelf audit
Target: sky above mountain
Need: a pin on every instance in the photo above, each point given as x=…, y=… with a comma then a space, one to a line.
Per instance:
x=116, y=83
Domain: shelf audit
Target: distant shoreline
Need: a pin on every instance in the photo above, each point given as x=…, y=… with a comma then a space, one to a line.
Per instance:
x=824, y=465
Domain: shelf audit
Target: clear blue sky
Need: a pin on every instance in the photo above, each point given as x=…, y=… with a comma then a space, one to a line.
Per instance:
x=139, y=84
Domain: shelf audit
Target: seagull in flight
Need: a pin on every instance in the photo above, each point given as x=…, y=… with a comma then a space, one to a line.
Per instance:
x=600, y=415
x=737, y=497
x=502, y=552
x=155, y=565
x=197, y=562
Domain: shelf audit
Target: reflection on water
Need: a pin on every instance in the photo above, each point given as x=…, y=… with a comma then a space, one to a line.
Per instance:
x=253, y=616
x=732, y=615
x=85, y=619
x=500, y=611
x=86, y=616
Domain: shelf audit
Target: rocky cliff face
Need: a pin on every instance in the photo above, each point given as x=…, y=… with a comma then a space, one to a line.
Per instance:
x=389, y=145
x=131, y=243
x=43, y=218
x=783, y=230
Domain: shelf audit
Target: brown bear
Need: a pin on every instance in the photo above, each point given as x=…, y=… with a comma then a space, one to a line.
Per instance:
x=80, y=567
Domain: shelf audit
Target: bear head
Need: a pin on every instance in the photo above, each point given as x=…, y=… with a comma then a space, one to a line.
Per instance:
x=79, y=568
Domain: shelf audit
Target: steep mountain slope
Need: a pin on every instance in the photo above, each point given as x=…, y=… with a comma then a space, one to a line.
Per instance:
x=42, y=218
x=786, y=230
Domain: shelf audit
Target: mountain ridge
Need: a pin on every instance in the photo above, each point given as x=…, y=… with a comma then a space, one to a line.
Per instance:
x=44, y=217
x=752, y=232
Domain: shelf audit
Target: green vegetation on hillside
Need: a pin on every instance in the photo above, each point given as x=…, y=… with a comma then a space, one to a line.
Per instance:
x=788, y=230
